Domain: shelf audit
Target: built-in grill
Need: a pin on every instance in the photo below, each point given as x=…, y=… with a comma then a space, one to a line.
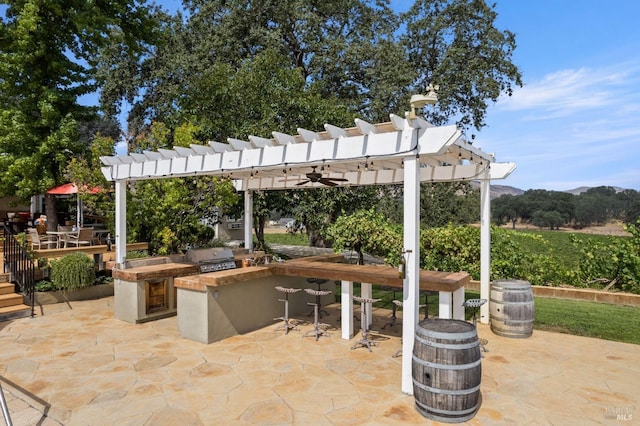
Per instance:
x=212, y=259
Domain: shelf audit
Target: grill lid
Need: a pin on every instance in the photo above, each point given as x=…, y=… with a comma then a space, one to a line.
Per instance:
x=209, y=255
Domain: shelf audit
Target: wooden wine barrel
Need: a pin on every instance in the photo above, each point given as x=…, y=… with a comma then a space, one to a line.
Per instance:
x=511, y=308
x=446, y=370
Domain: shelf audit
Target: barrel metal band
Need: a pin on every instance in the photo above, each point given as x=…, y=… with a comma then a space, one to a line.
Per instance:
x=448, y=345
x=446, y=366
x=445, y=391
x=464, y=335
x=508, y=320
x=447, y=412
x=502, y=302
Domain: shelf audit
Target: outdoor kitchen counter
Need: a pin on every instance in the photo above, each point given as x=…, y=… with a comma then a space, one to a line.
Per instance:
x=222, y=278
x=317, y=268
x=148, y=272
x=216, y=305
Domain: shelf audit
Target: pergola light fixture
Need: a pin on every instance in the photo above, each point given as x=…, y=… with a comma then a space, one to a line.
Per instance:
x=419, y=101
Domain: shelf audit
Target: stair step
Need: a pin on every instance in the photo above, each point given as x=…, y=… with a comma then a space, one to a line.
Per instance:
x=13, y=312
x=7, y=288
x=10, y=300
x=4, y=277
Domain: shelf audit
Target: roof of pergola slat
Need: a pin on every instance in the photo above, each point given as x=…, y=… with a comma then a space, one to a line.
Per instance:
x=367, y=154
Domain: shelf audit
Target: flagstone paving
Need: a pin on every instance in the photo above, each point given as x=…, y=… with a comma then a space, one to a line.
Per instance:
x=74, y=364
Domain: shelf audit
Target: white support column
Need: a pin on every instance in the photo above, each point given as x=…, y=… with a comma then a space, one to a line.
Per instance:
x=411, y=286
x=121, y=223
x=457, y=298
x=346, y=306
x=485, y=248
x=445, y=300
x=248, y=219
x=34, y=206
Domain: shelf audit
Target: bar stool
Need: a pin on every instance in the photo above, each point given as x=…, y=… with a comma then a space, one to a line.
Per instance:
x=318, y=327
x=394, y=310
x=426, y=294
x=475, y=305
x=286, y=322
x=365, y=341
x=319, y=282
x=397, y=303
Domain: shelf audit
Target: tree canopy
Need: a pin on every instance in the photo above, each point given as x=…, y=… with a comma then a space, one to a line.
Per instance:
x=234, y=69
x=595, y=206
x=48, y=54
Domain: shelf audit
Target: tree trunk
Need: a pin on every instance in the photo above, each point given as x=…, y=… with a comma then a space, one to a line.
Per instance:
x=51, y=211
x=259, y=222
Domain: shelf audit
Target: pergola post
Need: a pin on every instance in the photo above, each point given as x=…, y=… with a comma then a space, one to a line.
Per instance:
x=248, y=219
x=121, y=223
x=485, y=247
x=411, y=287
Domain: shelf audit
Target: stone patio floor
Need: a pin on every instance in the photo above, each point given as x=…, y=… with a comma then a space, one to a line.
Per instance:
x=74, y=364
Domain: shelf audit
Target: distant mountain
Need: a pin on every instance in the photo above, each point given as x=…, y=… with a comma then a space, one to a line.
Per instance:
x=582, y=189
x=500, y=190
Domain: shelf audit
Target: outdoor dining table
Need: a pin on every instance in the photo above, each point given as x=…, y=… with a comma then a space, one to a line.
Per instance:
x=59, y=234
x=100, y=235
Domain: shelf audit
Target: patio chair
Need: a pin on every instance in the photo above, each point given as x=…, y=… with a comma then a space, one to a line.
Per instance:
x=37, y=240
x=62, y=238
x=83, y=237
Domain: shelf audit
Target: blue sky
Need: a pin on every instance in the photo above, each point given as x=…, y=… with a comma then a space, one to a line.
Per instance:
x=576, y=121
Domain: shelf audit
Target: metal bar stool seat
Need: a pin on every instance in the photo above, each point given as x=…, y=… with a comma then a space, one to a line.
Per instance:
x=365, y=341
x=319, y=329
x=286, y=321
x=475, y=305
x=318, y=282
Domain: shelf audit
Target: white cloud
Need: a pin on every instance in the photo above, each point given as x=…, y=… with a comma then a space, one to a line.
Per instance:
x=568, y=92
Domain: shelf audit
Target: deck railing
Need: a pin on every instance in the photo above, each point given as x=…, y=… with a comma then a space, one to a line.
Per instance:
x=19, y=263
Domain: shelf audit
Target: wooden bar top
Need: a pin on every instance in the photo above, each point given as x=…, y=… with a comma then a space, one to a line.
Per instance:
x=320, y=268
x=231, y=276
x=373, y=274
x=155, y=271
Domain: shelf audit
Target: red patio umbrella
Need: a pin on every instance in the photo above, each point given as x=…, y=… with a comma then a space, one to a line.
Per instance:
x=70, y=189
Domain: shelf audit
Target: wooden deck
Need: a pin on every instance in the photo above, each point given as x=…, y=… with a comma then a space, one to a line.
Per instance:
x=88, y=250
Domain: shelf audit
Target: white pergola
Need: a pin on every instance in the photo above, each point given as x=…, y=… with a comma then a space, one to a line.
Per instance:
x=404, y=151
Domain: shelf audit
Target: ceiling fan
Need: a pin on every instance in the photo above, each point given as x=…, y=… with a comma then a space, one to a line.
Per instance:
x=314, y=177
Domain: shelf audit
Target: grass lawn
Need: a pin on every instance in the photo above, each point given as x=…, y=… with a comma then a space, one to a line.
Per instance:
x=297, y=239
x=599, y=320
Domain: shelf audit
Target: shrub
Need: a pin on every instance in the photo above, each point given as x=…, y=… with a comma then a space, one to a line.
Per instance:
x=45, y=285
x=615, y=261
x=75, y=270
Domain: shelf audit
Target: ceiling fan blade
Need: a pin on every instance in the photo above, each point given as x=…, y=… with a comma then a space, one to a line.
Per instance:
x=303, y=182
x=337, y=179
x=327, y=182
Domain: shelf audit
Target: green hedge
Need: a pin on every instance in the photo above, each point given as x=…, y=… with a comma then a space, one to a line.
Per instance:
x=75, y=270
